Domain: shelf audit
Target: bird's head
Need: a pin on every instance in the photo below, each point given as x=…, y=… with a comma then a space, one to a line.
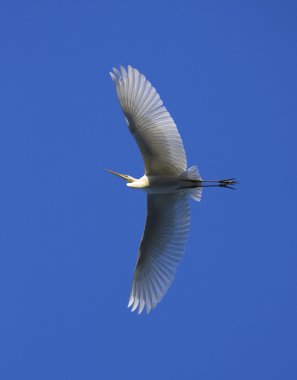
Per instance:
x=126, y=177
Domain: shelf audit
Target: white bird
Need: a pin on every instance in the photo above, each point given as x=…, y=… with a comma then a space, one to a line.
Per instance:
x=168, y=184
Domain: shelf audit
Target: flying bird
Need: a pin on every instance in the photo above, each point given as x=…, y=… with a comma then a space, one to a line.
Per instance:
x=167, y=182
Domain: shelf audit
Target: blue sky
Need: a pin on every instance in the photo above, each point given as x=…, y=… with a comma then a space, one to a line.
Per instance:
x=226, y=70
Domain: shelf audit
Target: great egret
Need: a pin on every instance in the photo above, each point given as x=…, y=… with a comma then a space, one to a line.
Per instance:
x=167, y=182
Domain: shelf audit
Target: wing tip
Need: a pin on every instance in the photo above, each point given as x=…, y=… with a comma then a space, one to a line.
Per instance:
x=113, y=76
x=140, y=306
x=122, y=73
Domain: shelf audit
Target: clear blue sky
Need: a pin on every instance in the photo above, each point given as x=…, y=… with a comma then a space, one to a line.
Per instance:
x=226, y=70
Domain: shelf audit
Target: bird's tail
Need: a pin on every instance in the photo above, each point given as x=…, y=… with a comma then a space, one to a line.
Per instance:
x=192, y=174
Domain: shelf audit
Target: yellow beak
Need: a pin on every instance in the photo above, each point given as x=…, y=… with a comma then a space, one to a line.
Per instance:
x=124, y=176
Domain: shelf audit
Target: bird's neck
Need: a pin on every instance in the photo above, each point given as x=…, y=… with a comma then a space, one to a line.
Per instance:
x=139, y=183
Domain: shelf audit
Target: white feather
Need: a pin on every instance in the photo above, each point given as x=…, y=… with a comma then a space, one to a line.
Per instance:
x=150, y=123
x=161, y=248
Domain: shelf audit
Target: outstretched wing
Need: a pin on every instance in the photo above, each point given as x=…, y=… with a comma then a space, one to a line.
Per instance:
x=150, y=123
x=161, y=248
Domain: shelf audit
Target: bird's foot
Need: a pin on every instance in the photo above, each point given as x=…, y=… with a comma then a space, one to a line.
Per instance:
x=228, y=183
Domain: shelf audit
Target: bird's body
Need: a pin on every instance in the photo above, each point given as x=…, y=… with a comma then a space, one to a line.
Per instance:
x=167, y=182
x=161, y=184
